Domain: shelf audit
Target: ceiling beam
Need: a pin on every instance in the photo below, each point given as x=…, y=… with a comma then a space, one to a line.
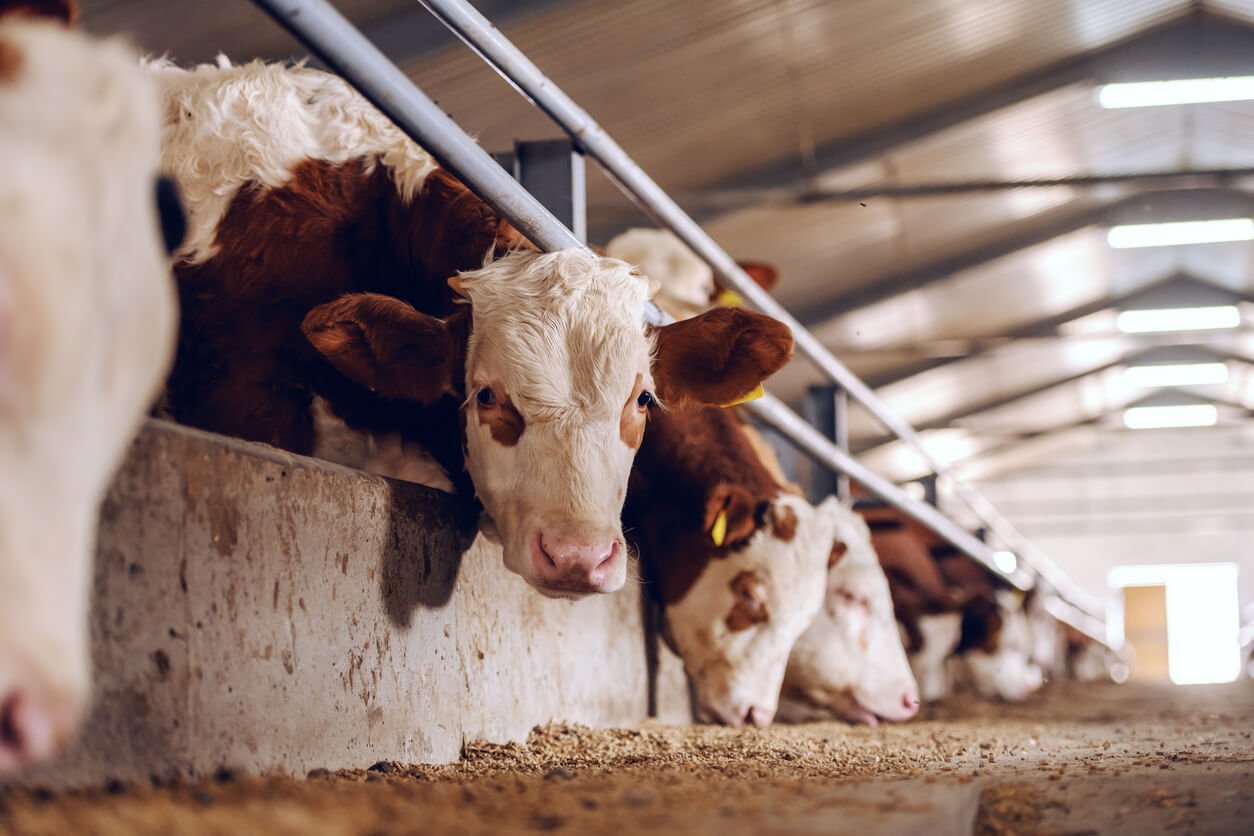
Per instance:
x=1204, y=43
x=1042, y=327
x=1148, y=207
x=1002, y=401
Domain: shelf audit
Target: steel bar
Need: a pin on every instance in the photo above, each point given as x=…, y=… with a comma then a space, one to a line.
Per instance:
x=510, y=62
x=330, y=36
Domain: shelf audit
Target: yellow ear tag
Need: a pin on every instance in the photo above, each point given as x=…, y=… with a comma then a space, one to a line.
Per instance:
x=729, y=299
x=752, y=395
x=718, y=532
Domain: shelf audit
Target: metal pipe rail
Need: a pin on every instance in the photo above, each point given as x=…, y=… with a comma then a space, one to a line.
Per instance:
x=343, y=48
x=498, y=52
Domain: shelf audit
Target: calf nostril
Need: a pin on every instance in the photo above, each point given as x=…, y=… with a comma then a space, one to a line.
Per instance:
x=756, y=716
x=10, y=734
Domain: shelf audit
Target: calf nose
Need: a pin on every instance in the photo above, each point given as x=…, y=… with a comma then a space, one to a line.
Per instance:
x=758, y=716
x=909, y=705
x=576, y=563
x=29, y=731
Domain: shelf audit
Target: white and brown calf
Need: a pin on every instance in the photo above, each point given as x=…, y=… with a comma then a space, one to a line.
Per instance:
x=333, y=268
x=87, y=321
x=737, y=562
x=850, y=663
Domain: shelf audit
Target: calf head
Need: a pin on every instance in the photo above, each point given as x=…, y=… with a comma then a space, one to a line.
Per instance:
x=557, y=374
x=1001, y=666
x=850, y=662
x=760, y=588
x=86, y=331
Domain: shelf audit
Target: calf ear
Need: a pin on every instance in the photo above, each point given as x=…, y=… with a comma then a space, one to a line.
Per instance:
x=64, y=10
x=387, y=346
x=719, y=356
x=766, y=275
x=731, y=515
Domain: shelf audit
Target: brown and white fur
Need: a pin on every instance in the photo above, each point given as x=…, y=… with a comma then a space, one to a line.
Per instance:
x=332, y=258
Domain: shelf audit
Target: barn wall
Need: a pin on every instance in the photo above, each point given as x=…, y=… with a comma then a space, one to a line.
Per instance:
x=1143, y=497
x=270, y=613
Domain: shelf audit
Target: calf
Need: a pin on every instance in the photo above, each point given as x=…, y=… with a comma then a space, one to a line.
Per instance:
x=331, y=257
x=850, y=663
x=86, y=333
x=687, y=285
x=951, y=606
x=736, y=561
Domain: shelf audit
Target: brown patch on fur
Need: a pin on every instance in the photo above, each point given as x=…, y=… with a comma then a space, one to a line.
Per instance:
x=783, y=522
x=693, y=464
x=244, y=366
x=766, y=455
x=504, y=421
x=718, y=356
x=750, y=607
x=766, y=276
x=65, y=11
x=634, y=419
x=11, y=60
x=839, y=550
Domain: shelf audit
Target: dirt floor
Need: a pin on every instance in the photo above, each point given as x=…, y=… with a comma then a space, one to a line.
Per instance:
x=1075, y=759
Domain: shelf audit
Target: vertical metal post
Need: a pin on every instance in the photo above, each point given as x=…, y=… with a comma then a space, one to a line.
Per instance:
x=826, y=407
x=553, y=171
x=930, y=495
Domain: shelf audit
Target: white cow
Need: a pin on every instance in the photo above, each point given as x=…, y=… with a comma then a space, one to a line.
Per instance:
x=87, y=318
x=851, y=663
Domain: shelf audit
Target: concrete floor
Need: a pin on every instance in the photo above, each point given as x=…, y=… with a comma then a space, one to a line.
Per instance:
x=1075, y=759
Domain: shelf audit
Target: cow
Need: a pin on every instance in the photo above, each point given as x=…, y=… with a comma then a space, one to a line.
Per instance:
x=736, y=561
x=687, y=285
x=951, y=606
x=333, y=264
x=87, y=319
x=850, y=663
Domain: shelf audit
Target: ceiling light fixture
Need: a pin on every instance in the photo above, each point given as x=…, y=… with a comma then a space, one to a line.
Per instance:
x=1165, y=417
x=1151, y=376
x=1177, y=233
x=1160, y=320
x=1176, y=92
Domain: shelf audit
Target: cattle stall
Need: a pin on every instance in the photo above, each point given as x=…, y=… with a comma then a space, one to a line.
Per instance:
x=379, y=559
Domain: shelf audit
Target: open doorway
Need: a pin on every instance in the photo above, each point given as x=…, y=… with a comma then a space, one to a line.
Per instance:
x=1181, y=620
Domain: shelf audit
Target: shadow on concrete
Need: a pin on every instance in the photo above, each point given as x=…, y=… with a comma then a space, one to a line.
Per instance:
x=429, y=533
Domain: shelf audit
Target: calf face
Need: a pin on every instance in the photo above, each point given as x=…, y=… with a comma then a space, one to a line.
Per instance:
x=86, y=330
x=1003, y=669
x=558, y=375
x=850, y=662
x=735, y=626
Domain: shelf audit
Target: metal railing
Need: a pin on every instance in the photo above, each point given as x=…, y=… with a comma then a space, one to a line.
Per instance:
x=344, y=49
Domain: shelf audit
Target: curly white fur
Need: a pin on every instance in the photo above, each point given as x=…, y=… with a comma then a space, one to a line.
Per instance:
x=229, y=125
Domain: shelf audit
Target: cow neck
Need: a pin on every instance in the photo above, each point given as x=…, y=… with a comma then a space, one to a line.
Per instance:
x=686, y=453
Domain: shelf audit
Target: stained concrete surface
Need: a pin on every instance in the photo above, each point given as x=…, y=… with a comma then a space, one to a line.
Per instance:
x=264, y=612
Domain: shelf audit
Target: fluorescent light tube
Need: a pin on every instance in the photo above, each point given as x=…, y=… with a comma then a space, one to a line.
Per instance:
x=1178, y=233
x=1176, y=92
x=1164, y=417
x=1175, y=374
x=1158, y=320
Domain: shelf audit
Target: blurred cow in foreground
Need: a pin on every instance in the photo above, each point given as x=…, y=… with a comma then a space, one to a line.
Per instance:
x=87, y=320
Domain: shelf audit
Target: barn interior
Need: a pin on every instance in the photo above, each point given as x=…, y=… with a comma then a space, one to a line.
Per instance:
x=1001, y=215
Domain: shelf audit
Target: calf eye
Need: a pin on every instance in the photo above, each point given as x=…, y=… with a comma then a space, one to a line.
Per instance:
x=646, y=400
x=487, y=397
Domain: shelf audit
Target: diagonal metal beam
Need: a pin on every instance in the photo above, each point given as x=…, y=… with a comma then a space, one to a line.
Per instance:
x=1042, y=327
x=1001, y=401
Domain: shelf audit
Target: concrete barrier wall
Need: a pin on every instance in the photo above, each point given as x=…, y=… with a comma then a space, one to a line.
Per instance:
x=271, y=613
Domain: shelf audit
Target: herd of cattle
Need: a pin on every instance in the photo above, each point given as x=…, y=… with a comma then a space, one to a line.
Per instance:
x=337, y=293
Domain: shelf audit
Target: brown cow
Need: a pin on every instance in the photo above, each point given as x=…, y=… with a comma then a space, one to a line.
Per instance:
x=330, y=257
